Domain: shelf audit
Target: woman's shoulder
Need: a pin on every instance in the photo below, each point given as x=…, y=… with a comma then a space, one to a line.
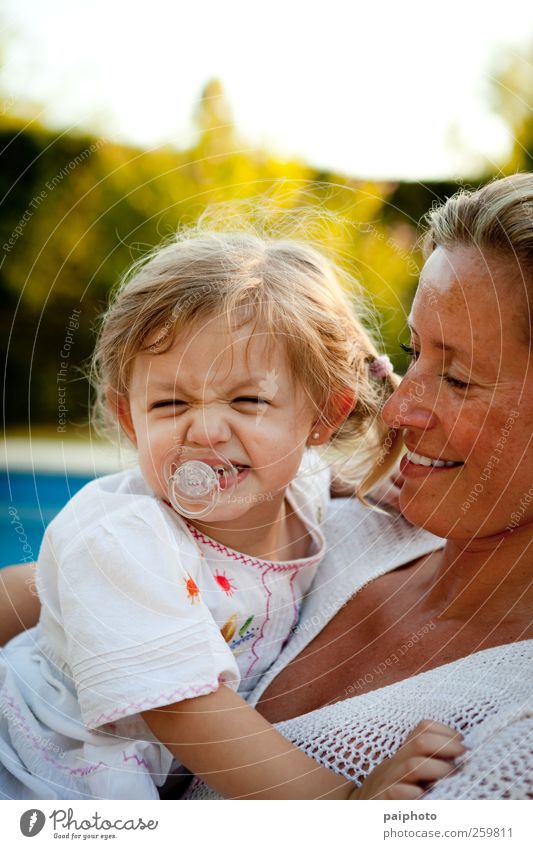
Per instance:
x=364, y=543
x=382, y=531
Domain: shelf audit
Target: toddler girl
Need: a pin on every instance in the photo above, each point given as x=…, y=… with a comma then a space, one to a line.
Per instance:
x=226, y=360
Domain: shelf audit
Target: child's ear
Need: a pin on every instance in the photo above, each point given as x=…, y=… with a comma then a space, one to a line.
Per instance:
x=336, y=412
x=120, y=407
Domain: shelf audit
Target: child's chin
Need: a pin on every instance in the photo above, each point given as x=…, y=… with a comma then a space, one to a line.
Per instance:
x=227, y=513
x=231, y=507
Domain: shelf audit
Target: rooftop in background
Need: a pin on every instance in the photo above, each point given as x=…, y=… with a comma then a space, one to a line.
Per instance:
x=69, y=457
x=37, y=477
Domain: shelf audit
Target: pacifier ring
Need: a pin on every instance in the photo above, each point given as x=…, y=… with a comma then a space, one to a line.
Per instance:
x=194, y=485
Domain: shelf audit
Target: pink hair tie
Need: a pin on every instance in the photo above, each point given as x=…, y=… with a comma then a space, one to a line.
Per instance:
x=381, y=366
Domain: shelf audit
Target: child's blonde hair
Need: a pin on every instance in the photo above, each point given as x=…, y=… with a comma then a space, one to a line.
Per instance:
x=291, y=292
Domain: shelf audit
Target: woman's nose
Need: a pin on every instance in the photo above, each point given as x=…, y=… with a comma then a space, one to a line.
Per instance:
x=410, y=405
x=208, y=427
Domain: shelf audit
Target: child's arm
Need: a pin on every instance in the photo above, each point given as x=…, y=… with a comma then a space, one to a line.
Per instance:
x=240, y=755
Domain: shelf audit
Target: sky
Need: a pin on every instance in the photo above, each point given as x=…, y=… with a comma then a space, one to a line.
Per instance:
x=389, y=90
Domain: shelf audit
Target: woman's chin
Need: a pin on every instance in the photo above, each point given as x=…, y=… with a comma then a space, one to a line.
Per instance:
x=427, y=513
x=440, y=518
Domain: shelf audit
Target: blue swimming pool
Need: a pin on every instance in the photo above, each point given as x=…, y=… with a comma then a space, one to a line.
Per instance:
x=29, y=500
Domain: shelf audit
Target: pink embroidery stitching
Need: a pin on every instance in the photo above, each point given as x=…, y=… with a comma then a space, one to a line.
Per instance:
x=80, y=770
x=145, y=704
x=261, y=634
x=86, y=770
x=250, y=561
x=295, y=603
x=140, y=761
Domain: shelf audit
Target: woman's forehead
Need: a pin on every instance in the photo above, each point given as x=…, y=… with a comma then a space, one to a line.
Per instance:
x=464, y=293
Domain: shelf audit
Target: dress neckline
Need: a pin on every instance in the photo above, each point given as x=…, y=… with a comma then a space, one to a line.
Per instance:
x=318, y=542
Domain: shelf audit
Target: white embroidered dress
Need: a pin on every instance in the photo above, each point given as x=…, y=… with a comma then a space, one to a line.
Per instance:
x=139, y=610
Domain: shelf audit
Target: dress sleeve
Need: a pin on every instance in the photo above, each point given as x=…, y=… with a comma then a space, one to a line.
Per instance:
x=138, y=634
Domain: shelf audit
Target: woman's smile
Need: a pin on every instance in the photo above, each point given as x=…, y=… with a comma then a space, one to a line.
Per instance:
x=415, y=465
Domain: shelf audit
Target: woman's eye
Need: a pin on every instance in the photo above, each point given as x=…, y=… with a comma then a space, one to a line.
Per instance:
x=409, y=350
x=454, y=381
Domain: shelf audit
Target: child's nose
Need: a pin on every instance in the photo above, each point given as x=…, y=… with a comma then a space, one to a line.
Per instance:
x=207, y=427
x=410, y=406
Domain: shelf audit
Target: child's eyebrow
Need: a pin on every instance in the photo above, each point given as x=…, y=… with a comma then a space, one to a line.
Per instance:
x=166, y=386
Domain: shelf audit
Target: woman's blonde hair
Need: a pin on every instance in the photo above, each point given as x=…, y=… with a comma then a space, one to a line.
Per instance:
x=291, y=292
x=496, y=219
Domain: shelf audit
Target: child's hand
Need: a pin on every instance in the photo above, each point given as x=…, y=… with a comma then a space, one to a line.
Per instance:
x=426, y=756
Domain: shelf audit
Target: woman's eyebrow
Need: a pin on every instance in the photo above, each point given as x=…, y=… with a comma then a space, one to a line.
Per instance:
x=442, y=346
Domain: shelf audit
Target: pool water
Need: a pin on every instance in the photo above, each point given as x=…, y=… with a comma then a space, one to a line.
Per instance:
x=29, y=501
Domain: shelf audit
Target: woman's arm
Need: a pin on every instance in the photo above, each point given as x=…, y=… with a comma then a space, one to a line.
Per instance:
x=19, y=602
x=239, y=754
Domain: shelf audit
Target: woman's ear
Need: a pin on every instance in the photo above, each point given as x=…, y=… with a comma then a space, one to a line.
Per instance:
x=120, y=407
x=336, y=412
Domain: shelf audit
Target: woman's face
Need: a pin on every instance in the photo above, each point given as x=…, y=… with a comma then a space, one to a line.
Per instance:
x=467, y=399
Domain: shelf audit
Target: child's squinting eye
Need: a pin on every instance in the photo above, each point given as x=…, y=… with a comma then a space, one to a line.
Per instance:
x=250, y=399
x=170, y=403
x=242, y=399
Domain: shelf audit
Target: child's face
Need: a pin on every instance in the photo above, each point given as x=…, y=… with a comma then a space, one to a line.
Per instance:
x=222, y=391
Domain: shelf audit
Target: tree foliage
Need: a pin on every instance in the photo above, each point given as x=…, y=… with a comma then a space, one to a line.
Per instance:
x=77, y=210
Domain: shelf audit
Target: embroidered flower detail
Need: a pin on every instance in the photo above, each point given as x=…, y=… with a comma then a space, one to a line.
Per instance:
x=226, y=584
x=244, y=628
x=192, y=589
x=228, y=630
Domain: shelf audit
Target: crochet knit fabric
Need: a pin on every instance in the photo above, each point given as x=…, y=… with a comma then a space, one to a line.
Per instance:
x=486, y=696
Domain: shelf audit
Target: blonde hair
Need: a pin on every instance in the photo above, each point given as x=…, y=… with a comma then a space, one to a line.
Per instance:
x=289, y=290
x=497, y=219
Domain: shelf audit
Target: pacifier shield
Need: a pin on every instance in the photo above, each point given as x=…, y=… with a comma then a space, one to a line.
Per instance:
x=195, y=486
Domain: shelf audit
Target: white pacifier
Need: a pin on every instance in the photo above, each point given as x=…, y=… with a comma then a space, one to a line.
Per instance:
x=196, y=478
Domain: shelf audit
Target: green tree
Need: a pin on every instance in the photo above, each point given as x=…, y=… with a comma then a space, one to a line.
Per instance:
x=512, y=100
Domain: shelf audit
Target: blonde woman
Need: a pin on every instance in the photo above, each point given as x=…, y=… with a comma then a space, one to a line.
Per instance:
x=388, y=637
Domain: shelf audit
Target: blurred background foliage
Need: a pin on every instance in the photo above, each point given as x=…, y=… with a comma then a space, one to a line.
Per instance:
x=77, y=210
